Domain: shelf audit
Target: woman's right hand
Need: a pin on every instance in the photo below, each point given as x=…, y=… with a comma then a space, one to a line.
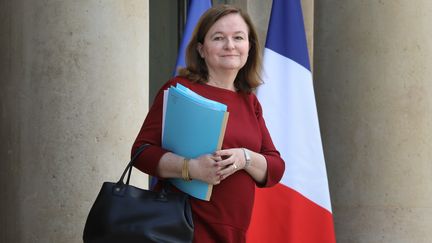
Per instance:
x=205, y=168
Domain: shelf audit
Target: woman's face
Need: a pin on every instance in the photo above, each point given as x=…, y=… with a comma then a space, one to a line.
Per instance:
x=226, y=44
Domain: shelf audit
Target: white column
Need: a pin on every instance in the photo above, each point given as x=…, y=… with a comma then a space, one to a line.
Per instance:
x=373, y=82
x=74, y=92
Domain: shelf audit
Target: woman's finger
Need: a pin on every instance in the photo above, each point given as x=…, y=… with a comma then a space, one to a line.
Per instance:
x=226, y=162
x=227, y=171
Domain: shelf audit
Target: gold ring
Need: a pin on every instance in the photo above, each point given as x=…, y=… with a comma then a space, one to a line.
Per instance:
x=235, y=166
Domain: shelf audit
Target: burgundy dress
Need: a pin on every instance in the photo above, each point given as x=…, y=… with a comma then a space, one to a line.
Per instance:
x=226, y=217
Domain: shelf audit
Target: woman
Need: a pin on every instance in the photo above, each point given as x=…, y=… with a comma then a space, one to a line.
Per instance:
x=223, y=64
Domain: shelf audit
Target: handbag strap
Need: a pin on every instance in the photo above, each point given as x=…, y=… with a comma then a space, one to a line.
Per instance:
x=130, y=164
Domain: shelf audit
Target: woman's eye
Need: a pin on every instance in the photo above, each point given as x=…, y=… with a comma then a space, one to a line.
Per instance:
x=239, y=38
x=218, y=38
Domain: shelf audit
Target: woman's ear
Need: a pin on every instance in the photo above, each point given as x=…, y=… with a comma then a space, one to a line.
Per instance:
x=199, y=49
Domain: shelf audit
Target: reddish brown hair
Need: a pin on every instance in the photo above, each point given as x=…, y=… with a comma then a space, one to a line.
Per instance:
x=248, y=77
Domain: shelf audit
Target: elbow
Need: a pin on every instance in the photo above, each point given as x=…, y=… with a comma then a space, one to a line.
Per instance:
x=275, y=171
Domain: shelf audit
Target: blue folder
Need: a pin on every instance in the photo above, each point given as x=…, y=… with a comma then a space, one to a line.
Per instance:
x=192, y=126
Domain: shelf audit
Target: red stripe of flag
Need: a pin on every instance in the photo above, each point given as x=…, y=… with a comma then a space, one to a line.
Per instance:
x=300, y=220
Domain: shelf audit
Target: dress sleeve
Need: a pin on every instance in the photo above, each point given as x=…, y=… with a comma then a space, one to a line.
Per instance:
x=151, y=133
x=275, y=163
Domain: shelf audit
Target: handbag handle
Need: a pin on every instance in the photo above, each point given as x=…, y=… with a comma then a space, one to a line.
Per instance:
x=130, y=164
x=119, y=189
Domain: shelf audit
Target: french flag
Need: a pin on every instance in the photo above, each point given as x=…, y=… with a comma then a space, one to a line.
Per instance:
x=298, y=209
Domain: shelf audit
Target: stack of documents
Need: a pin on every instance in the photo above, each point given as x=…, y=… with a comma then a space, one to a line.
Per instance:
x=192, y=126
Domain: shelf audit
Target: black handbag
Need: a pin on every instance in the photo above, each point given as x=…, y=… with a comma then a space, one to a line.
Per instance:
x=126, y=214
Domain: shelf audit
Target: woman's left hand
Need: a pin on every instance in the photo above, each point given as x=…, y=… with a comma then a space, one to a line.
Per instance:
x=232, y=161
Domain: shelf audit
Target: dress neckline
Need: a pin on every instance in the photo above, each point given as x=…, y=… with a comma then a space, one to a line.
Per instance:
x=221, y=89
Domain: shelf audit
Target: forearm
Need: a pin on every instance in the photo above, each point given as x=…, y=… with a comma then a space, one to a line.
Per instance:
x=170, y=166
x=257, y=167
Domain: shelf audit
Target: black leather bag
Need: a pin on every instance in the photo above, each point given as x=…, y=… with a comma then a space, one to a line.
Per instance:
x=126, y=214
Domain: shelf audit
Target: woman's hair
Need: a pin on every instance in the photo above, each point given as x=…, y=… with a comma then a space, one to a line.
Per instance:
x=248, y=77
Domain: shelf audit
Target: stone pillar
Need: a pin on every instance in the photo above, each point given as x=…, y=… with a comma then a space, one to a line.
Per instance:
x=373, y=85
x=74, y=91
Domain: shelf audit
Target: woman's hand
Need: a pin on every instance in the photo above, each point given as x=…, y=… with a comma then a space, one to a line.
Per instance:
x=232, y=161
x=205, y=168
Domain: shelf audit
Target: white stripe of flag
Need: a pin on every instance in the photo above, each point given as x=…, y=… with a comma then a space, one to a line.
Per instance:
x=297, y=210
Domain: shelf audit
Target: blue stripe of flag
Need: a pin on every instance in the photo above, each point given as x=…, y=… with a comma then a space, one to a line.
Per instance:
x=195, y=9
x=287, y=18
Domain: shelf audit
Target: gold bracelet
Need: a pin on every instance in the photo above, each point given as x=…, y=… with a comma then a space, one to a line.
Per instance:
x=185, y=170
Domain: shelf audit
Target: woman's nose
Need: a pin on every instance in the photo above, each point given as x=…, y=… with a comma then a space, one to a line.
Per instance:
x=229, y=43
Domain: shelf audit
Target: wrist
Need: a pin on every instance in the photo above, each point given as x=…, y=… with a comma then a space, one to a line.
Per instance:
x=192, y=169
x=185, y=170
x=247, y=157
